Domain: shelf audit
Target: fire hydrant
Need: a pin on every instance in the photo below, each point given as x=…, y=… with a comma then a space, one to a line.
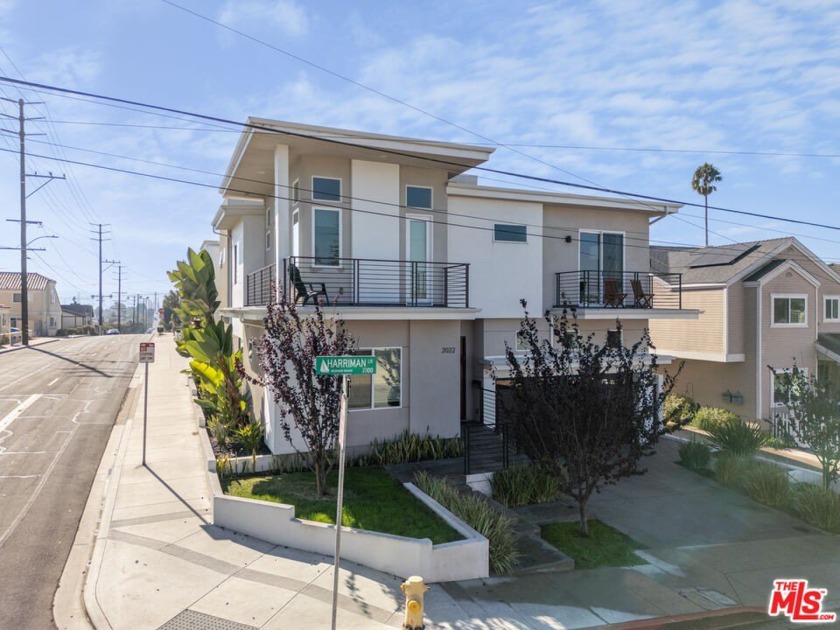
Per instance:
x=414, y=588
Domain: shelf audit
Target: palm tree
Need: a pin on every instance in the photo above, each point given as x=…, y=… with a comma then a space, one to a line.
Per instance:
x=703, y=183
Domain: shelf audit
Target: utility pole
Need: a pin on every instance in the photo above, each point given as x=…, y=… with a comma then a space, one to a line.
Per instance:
x=98, y=236
x=119, y=291
x=24, y=278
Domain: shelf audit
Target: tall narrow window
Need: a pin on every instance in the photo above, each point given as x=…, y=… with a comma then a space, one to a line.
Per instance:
x=327, y=236
x=326, y=189
x=296, y=233
x=601, y=258
x=235, y=263
x=296, y=191
x=268, y=225
x=832, y=308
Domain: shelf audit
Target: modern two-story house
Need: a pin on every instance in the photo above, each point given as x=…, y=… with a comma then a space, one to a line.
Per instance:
x=426, y=267
x=763, y=304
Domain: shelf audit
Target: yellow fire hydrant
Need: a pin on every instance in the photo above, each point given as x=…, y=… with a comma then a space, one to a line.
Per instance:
x=414, y=588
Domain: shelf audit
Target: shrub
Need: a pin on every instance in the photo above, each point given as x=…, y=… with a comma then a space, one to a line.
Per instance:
x=818, y=506
x=679, y=409
x=410, y=447
x=731, y=468
x=4, y=340
x=251, y=438
x=221, y=431
x=695, y=455
x=479, y=515
x=707, y=418
x=734, y=436
x=525, y=485
x=768, y=484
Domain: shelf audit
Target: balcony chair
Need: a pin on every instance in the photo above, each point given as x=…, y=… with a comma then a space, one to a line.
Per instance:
x=301, y=290
x=612, y=293
x=640, y=298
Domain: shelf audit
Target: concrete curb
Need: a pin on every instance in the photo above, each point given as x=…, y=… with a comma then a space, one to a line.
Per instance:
x=111, y=470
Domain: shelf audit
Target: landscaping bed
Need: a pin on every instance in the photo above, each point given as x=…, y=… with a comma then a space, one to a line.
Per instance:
x=605, y=546
x=373, y=501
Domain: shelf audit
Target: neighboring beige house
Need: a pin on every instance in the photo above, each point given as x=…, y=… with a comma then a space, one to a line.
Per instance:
x=425, y=266
x=44, y=307
x=75, y=315
x=762, y=304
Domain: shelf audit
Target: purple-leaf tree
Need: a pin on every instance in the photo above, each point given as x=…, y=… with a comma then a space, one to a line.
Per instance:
x=587, y=413
x=308, y=405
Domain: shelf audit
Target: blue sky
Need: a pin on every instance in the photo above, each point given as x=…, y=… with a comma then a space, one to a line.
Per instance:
x=581, y=90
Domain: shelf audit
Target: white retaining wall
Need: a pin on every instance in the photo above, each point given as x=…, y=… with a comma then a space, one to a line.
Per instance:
x=276, y=523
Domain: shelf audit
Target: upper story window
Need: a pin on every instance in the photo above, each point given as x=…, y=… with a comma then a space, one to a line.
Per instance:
x=831, y=309
x=296, y=191
x=790, y=310
x=614, y=339
x=52, y=297
x=16, y=297
x=326, y=189
x=418, y=197
x=268, y=224
x=326, y=236
x=510, y=233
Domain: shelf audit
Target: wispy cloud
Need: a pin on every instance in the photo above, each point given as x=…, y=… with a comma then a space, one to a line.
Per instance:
x=286, y=15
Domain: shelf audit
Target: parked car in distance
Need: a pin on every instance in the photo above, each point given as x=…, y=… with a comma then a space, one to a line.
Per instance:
x=112, y=331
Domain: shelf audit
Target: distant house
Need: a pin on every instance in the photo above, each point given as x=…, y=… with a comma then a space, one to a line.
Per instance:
x=44, y=307
x=763, y=304
x=76, y=315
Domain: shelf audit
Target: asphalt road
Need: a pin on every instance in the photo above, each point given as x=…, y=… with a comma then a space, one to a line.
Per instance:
x=58, y=403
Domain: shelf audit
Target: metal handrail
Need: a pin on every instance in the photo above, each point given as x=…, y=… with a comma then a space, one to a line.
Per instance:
x=628, y=289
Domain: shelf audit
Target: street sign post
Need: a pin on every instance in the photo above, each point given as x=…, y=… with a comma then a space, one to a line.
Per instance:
x=147, y=355
x=342, y=366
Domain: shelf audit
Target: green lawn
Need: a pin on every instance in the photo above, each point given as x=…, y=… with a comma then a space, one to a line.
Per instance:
x=373, y=500
x=605, y=547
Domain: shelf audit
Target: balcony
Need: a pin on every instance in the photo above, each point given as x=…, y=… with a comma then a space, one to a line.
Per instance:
x=364, y=282
x=612, y=290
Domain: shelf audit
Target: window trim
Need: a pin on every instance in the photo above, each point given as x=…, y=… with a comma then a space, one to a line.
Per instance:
x=787, y=296
x=431, y=197
x=836, y=298
x=235, y=263
x=315, y=263
x=296, y=192
x=268, y=228
x=373, y=406
x=503, y=240
x=314, y=199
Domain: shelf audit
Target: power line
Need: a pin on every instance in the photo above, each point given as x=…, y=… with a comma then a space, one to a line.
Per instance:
x=254, y=126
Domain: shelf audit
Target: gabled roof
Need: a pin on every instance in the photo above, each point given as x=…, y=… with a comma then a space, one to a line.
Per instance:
x=82, y=310
x=10, y=281
x=725, y=264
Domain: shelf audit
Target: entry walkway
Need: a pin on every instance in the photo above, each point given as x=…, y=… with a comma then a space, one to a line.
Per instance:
x=158, y=561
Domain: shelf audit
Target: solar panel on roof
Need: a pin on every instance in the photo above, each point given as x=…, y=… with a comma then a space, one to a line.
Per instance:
x=722, y=255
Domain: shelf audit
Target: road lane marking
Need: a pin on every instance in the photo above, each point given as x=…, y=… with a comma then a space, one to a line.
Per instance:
x=34, y=496
x=50, y=384
x=25, y=376
x=15, y=413
x=19, y=476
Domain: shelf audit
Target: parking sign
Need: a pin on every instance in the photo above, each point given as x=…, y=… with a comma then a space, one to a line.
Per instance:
x=147, y=353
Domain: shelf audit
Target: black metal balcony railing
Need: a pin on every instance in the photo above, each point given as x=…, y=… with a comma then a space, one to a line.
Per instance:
x=629, y=289
x=258, y=286
x=364, y=282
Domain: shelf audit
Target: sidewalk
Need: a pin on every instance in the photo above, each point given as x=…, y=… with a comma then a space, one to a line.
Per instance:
x=158, y=561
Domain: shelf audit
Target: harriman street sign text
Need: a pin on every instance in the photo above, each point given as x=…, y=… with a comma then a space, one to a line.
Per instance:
x=345, y=365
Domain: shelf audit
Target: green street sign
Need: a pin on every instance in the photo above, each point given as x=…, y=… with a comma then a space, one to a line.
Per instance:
x=345, y=365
